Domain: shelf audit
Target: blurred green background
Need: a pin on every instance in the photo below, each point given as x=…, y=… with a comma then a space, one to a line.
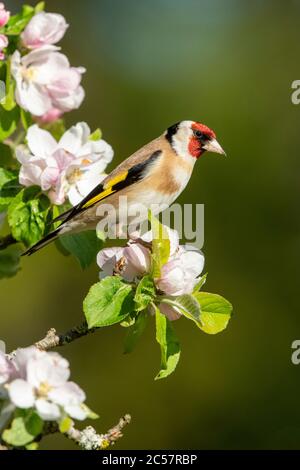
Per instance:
x=229, y=64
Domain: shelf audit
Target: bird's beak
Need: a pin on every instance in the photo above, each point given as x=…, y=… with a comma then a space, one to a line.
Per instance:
x=214, y=146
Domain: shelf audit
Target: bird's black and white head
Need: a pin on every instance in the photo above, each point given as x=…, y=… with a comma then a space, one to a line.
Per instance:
x=190, y=139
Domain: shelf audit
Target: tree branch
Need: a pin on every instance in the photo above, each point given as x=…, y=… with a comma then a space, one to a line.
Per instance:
x=88, y=438
x=52, y=339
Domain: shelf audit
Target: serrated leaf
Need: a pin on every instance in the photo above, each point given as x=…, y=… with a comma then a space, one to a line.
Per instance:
x=9, y=187
x=24, y=428
x=96, y=135
x=84, y=246
x=160, y=245
x=169, y=345
x=145, y=293
x=27, y=215
x=187, y=305
x=135, y=331
x=10, y=261
x=108, y=302
x=215, y=312
x=65, y=424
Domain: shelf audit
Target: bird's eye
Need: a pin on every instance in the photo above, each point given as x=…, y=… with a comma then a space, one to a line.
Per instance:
x=198, y=134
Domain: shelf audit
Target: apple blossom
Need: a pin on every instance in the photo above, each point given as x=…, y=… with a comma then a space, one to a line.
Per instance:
x=136, y=261
x=39, y=379
x=179, y=274
x=7, y=369
x=45, y=80
x=44, y=28
x=4, y=15
x=69, y=168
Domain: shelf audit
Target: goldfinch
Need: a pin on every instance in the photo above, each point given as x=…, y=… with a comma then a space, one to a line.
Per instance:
x=154, y=175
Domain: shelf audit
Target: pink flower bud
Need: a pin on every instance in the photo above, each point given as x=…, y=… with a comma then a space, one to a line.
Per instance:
x=52, y=115
x=138, y=260
x=44, y=28
x=4, y=15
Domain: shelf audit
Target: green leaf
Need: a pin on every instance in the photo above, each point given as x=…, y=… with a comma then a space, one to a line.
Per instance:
x=32, y=446
x=27, y=215
x=24, y=428
x=160, y=245
x=8, y=102
x=39, y=7
x=135, y=331
x=200, y=283
x=90, y=413
x=6, y=155
x=187, y=306
x=9, y=187
x=8, y=121
x=96, y=135
x=26, y=119
x=17, y=23
x=215, y=312
x=65, y=424
x=145, y=293
x=169, y=345
x=10, y=261
x=108, y=302
x=84, y=246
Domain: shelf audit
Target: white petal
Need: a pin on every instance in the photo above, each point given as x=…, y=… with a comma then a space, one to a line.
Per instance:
x=47, y=370
x=40, y=142
x=74, y=195
x=74, y=138
x=76, y=412
x=193, y=262
x=68, y=394
x=7, y=369
x=46, y=410
x=33, y=98
x=49, y=178
x=22, y=356
x=21, y=393
x=71, y=100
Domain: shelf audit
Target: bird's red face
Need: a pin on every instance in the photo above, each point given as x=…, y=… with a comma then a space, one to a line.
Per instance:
x=201, y=135
x=190, y=139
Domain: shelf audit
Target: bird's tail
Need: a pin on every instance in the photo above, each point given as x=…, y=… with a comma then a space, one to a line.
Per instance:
x=47, y=239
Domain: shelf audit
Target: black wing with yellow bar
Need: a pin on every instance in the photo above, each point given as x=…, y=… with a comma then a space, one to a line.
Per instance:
x=120, y=181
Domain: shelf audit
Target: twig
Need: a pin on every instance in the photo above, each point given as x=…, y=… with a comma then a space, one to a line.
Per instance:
x=88, y=438
x=116, y=432
x=52, y=339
